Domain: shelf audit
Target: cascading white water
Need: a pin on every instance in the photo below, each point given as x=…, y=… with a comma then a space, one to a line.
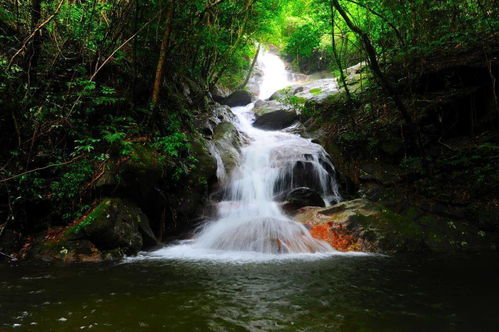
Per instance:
x=275, y=75
x=249, y=219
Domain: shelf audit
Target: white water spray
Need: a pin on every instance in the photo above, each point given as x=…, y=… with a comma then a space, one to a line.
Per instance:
x=249, y=219
x=275, y=75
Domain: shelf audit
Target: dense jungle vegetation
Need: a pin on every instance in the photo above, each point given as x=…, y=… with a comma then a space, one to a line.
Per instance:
x=87, y=82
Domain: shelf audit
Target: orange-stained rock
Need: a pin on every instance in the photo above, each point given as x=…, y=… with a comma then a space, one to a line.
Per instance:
x=361, y=225
x=336, y=236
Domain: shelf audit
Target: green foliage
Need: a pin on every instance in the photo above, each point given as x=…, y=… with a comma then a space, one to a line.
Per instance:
x=117, y=139
x=303, y=41
x=172, y=145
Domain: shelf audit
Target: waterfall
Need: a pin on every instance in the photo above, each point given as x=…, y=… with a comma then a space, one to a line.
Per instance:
x=275, y=75
x=249, y=219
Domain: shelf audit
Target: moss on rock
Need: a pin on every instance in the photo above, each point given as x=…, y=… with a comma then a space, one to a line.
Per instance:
x=114, y=224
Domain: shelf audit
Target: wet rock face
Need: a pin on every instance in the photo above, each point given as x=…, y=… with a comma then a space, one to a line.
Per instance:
x=116, y=224
x=316, y=91
x=239, y=98
x=228, y=142
x=268, y=106
x=301, y=174
x=362, y=225
x=276, y=120
x=208, y=121
x=301, y=197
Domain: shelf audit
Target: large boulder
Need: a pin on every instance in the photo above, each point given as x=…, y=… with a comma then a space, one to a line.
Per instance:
x=116, y=224
x=268, y=106
x=218, y=93
x=302, y=173
x=228, y=142
x=274, y=115
x=206, y=122
x=316, y=91
x=301, y=197
x=239, y=98
x=188, y=200
x=361, y=225
x=276, y=120
x=135, y=176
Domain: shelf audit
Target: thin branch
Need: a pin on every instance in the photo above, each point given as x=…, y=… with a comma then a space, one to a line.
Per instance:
x=397, y=32
x=122, y=45
x=214, y=4
x=41, y=169
x=38, y=28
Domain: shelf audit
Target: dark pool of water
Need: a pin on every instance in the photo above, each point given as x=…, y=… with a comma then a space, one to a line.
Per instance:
x=458, y=293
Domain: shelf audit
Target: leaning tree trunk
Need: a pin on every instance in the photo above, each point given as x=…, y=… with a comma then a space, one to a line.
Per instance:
x=373, y=62
x=248, y=76
x=160, y=67
x=338, y=59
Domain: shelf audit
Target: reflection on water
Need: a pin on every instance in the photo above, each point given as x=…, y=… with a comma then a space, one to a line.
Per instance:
x=368, y=293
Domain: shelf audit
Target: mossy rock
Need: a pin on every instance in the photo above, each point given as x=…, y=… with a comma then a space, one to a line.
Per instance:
x=269, y=106
x=228, y=141
x=206, y=166
x=137, y=174
x=364, y=226
x=115, y=224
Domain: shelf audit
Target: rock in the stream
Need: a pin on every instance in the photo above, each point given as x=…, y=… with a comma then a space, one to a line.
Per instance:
x=239, y=98
x=115, y=227
x=208, y=121
x=228, y=141
x=316, y=91
x=301, y=197
x=116, y=224
x=268, y=106
x=362, y=225
x=276, y=120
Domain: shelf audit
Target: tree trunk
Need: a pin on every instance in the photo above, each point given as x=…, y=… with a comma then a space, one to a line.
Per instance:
x=215, y=76
x=160, y=69
x=373, y=62
x=34, y=50
x=338, y=59
x=248, y=76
